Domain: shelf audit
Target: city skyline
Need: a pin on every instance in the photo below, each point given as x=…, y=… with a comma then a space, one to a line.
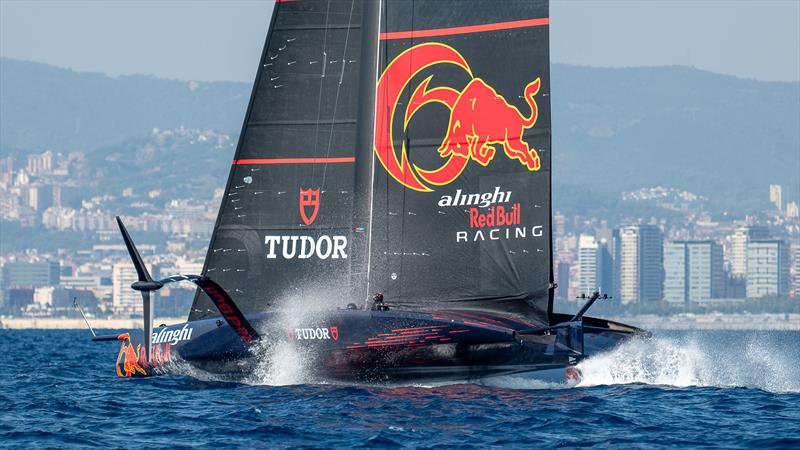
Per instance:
x=638, y=264
x=75, y=189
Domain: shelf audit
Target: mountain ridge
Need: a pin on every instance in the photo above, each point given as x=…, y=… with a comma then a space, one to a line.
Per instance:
x=614, y=129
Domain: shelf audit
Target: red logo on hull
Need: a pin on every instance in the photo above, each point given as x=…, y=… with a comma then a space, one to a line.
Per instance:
x=335, y=332
x=132, y=362
x=309, y=198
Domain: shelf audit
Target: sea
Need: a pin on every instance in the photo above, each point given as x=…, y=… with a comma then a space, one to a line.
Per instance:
x=689, y=389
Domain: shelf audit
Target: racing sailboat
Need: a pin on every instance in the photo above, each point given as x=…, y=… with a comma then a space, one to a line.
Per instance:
x=392, y=182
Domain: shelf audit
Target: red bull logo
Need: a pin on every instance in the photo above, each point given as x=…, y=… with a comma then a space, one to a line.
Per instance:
x=132, y=361
x=481, y=120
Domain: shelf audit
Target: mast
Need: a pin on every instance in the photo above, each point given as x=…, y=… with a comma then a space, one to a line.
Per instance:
x=551, y=292
x=365, y=160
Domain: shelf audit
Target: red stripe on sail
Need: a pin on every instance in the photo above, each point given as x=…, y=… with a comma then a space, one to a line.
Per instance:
x=349, y=159
x=467, y=29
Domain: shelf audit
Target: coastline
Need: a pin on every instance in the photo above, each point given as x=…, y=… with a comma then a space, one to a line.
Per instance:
x=733, y=322
x=678, y=322
x=58, y=323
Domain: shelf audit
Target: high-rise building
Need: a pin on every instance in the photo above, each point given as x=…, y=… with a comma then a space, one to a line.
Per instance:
x=562, y=292
x=739, y=242
x=738, y=253
x=616, y=256
x=587, y=264
x=796, y=284
x=39, y=164
x=595, y=267
x=125, y=300
x=706, y=270
x=641, y=263
x=18, y=279
x=775, y=196
x=17, y=299
x=605, y=273
x=792, y=210
x=629, y=266
x=31, y=274
x=40, y=197
x=559, y=226
x=735, y=287
x=676, y=277
x=651, y=257
x=767, y=268
x=693, y=271
x=6, y=171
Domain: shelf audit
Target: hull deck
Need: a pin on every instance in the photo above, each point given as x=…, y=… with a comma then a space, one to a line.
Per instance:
x=377, y=346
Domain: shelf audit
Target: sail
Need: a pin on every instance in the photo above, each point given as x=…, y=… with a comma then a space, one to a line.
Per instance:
x=393, y=146
x=284, y=225
x=460, y=212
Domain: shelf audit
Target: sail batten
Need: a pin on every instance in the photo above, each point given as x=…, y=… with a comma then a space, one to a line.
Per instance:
x=344, y=159
x=411, y=34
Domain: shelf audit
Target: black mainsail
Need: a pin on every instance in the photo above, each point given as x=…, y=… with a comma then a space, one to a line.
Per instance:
x=394, y=146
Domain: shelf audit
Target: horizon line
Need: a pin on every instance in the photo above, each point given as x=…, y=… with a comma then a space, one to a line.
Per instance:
x=250, y=82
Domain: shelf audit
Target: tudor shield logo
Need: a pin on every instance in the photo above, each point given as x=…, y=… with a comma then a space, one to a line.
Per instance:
x=335, y=332
x=309, y=205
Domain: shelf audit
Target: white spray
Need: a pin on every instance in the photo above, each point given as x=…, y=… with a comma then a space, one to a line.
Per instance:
x=756, y=360
x=286, y=362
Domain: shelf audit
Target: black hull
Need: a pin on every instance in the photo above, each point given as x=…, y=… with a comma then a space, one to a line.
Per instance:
x=379, y=346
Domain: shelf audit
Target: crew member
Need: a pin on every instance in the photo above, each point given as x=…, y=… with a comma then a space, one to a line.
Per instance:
x=377, y=302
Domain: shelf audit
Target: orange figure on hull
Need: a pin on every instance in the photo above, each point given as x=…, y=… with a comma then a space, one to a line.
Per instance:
x=129, y=362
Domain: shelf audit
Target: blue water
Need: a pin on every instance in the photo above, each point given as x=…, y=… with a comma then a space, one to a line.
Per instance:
x=721, y=389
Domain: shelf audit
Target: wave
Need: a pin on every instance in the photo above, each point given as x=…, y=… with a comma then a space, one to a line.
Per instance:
x=766, y=361
x=769, y=361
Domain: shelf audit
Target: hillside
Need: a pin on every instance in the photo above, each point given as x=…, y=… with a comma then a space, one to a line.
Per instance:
x=718, y=136
x=48, y=107
x=614, y=130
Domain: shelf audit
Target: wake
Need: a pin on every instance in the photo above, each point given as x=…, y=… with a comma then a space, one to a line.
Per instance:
x=766, y=361
x=769, y=361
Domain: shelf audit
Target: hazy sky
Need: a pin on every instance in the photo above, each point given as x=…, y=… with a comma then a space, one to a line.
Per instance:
x=221, y=40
